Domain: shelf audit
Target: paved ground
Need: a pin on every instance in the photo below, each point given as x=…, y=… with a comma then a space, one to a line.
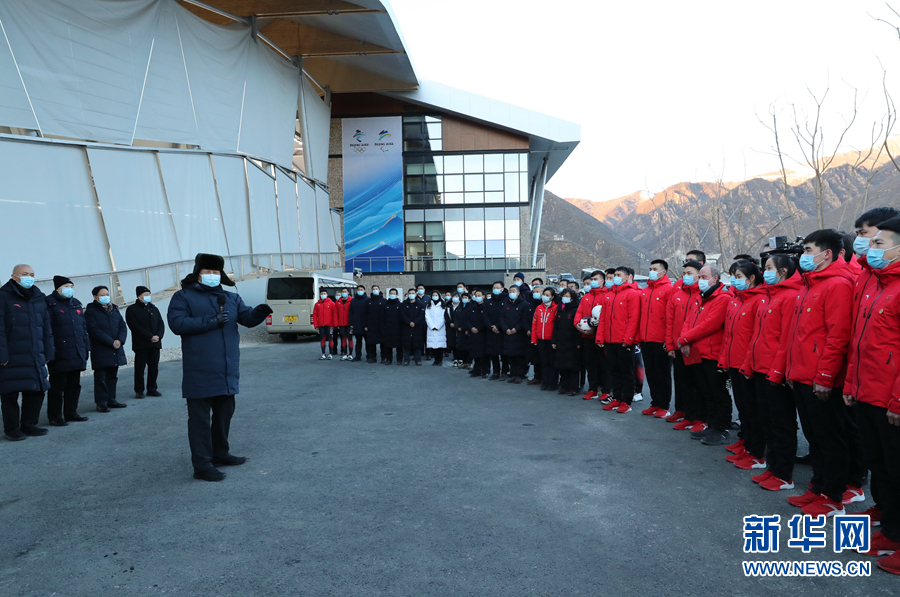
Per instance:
x=368, y=480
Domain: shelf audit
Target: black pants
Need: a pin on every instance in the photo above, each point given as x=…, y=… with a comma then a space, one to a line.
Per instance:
x=881, y=445
x=483, y=365
x=62, y=399
x=150, y=359
x=568, y=379
x=31, y=409
x=326, y=337
x=547, y=357
x=658, y=368
x=640, y=374
x=209, y=436
x=461, y=355
x=687, y=395
x=496, y=365
x=342, y=338
x=827, y=427
x=517, y=366
x=372, y=351
x=744, y=391
x=534, y=358
x=593, y=357
x=714, y=393
x=620, y=362
x=359, y=345
x=778, y=421
x=411, y=353
x=438, y=354
x=105, y=380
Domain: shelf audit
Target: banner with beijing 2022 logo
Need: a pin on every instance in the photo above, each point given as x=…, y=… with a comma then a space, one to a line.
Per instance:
x=373, y=194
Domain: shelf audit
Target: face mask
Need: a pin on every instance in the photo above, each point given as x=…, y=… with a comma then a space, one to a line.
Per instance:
x=420, y=291
x=26, y=281
x=513, y=296
x=478, y=299
x=861, y=246
x=546, y=299
x=360, y=292
x=455, y=300
x=211, y=280
x=447, y=297
x=411, y=296
x=498, y=290
x=344, y=295
x=595, y=283
x=67, y=292
x=103, y=300
x=654, y=275
x=536, y=295
x=688, y=280
x=323, y=296
x=609, y=283
x=566, y=300
x=393, y=297
x=808, y=262
x=436, y=298
x=876, y=258
x=376, y=292
x=460, y=290
x=771, y=277
x=618, y=281
x=740, y=283
x=704, y=285
x=147, y=299
x=465, y=301
x=517, y=283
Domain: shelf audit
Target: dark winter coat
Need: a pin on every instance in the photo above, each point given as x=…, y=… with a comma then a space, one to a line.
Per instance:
x=475, y=319
x=412, y=312
x=145, y=321
x=567, y=338
x=103, y=329
x=448, y=319
x=491, y=313
x=211, y=355
x=356, y=316
x=515, y=316
x=70, y=335
x=459, y=317
x=390, y=324
x=26, y=340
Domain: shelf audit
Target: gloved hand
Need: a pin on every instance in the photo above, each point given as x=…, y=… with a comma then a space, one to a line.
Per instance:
x=222, y=319
x=264, y=309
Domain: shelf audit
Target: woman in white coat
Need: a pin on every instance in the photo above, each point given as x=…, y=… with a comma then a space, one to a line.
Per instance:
x=437, y=334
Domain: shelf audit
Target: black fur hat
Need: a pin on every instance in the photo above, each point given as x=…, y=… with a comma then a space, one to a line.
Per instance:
x=208, y=261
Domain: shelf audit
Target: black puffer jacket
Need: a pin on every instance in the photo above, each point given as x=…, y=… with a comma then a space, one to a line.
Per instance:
x=26, y=340
x=104, y=328
x=390, y=324
x=70, y=335
x=515, y=316
x=566, y=338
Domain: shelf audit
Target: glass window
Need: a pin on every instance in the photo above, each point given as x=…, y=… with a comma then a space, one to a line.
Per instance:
x=413, y=119
x=512, y=187
x=415, y=249
x=474, y=248
x=282, y=289
x=512, y=229
x=413, y=184
x=414, y=215
x=511, y=162
x=512, y=213
x=456, y=214
x=493, y=229
x=494, y=248
x=434, y=130
x=493, y=213
x=414, y=169
x=434, y=215
x=475, y=213
x=438, y=162
x=418, y=199
x=474, y=182
x=435, y=249
x=493, y=182
x=432, y=119
x=474, y=163
x=436, y=145
x=474, y=197
x=493, y=197
x=452, y=198
x=453, y=183
x=434, y=230
x=493, y=162
x=454, y=231
x=453, y=164
x=523, y=187
x=429, y=169
x=415, y=232
x=474, y=230
x=512, y=248
x=456, y=249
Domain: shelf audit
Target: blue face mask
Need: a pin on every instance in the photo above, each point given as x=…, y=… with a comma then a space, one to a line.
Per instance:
x=360, y=292
x=566, y=300
x=465, y=301
x=498, y=290
x=103, y=300
x=147, y=299
x=654, y=275
x=536, y=295
x=546, y=299
x=344, y=295
x=861, y=246
x=688, y=280
x=876, y=258
x=771, y=277
x=211, y=280
x=808, y=262
x=609, y=283
x=393, y=297
x=420, y=291
x=739, y=283
x=513, y=296
x=455, y=300
x=704, y=285
x=376, y=292
x=411, y=296
x=618, y=281
x=460, y=290
x=26, y=282
x=67, y=292
x=517, y=282
x=478, y=299
x=595, y=284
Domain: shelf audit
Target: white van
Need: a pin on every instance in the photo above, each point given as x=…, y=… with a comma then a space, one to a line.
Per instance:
x=293, y=294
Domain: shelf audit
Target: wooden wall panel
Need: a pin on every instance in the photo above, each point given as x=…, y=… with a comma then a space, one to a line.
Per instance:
x=463, y=135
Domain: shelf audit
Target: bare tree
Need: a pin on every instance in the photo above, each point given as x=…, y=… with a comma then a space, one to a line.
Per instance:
x=773, y=114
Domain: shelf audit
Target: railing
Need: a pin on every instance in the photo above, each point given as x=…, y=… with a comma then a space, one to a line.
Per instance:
x=166, y=277
x=402, y=264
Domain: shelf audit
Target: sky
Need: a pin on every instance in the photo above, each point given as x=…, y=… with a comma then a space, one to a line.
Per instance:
x=665, y=92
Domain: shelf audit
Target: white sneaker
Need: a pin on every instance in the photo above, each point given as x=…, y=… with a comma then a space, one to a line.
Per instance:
x=328, y=357
x=322, y=358
x=637, y=398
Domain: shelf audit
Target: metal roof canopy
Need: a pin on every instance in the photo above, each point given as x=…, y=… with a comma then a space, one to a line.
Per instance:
x=345, y=46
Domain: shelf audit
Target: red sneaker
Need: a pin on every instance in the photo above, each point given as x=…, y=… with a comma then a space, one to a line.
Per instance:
x=699, y=426
x=623, y=408
x=874, y=514
x=803, y=500
x=604, y=396
x=737, y=457
x=750, y=462
x=773, y=483
x=675, y=417
x=613, y=404
x=824, y=506
x=650, y=411
x=880, y=545
x=853, y=494
x=662, y=414
x=735, y=447
x=683, y=425
x=761, y=477
x=891, y=563
x=590, y=395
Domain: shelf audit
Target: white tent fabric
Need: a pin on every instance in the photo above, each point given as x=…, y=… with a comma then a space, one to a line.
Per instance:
x=191, y=192
x=316, y=131
x=134, y=209
x=323, y=219
x=288, y=220
x=309, y=232
x=47, y=196
x=231, y=185
x=15, y=107
x=263, y=216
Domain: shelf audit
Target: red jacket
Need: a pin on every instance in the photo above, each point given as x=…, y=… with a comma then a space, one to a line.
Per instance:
x=542, y=322
x=739, y=319
x=342, y=312
x=680, y=302
x=621, y=316
x=873, y=375
x=324, y=313
x=704, y=326
x=654, y=300
x=816, y=341
x=771, y=318
x=864, y=284
x=588, y=301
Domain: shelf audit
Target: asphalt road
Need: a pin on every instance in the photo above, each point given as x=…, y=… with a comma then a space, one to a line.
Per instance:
x=367, y=480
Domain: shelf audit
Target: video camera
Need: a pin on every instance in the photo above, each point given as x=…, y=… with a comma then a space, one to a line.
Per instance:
x=780, y=245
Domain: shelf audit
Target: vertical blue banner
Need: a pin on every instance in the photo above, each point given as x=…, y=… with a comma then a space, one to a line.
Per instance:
x=373, y=194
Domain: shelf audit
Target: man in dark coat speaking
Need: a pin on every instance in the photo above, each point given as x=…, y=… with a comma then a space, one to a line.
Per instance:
x=206, y=317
